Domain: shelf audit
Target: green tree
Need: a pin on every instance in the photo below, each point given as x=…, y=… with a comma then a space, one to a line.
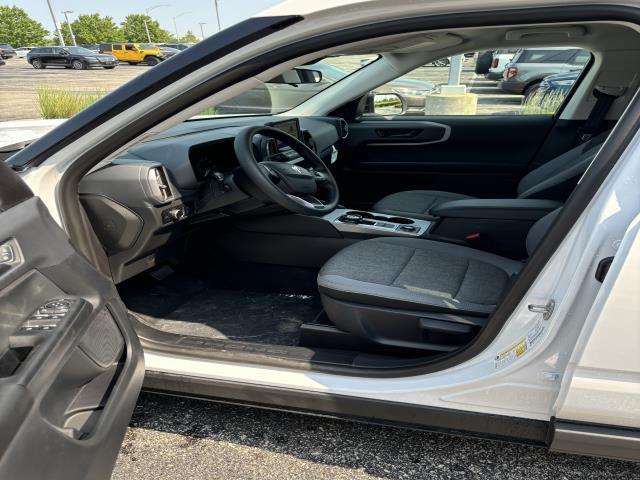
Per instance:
x=17, y=29
x=92, y=29
x=133, y=29
x=189, y=37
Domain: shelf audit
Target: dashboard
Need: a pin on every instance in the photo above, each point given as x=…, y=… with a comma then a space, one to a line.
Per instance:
x=141, y=201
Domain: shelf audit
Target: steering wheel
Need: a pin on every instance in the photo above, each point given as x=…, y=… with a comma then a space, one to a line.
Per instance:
x=293, y=187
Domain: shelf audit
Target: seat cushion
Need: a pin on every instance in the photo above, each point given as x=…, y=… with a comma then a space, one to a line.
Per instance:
x=415, y=203
x=416, y=274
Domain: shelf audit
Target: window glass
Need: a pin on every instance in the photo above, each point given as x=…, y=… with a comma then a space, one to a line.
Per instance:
x=117, y=47
x=528, y=81
x=291, y=88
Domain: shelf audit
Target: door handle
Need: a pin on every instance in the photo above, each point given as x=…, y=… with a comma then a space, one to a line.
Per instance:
x=397, y=132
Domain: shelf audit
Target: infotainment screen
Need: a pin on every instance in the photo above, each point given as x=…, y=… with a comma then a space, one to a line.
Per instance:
x=292, y=127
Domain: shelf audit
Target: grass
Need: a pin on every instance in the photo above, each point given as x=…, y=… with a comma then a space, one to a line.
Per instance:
x=60, y=103
x=542, y=104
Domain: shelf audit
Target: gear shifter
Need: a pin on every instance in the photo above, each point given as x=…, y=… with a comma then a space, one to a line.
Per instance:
x=354, y=218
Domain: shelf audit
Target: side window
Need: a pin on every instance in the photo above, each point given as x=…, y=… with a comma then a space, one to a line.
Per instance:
x=526, y=81
x=129, y=47
x=117, y=47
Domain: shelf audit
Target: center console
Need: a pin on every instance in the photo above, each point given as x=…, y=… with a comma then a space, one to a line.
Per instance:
x=356, y=221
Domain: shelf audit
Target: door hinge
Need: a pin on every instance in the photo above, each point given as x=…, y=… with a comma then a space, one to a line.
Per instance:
x=545, y=310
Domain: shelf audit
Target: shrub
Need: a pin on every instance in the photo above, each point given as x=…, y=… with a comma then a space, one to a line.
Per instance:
x=59, y=103
x=541, y=103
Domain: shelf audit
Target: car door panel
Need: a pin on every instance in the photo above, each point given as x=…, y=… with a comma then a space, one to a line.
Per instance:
x=68, y=380
x=475, y=155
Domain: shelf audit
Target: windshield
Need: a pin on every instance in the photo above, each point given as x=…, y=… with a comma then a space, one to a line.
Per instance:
x=284, y=93
x=79, y=51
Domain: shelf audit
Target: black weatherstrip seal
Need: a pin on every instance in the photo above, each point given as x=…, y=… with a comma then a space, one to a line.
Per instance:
x=380, y=412
x=575, y=205
x=152, y=81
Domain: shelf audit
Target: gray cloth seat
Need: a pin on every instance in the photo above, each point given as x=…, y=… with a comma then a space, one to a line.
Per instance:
x=554, y=180
x=390, y=284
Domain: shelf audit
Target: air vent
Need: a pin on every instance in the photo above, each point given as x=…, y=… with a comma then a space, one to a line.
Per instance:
x=343, y=129
x=159, y=184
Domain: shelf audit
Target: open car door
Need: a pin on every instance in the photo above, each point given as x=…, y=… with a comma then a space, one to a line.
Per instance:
x=71, y=366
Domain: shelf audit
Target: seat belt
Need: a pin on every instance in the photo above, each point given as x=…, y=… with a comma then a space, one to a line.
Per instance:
x=593, y=123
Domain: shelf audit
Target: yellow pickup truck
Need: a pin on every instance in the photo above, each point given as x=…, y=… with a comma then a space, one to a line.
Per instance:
x=134, y=53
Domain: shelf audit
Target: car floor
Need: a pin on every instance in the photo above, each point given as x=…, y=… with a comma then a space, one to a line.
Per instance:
x=248, y=302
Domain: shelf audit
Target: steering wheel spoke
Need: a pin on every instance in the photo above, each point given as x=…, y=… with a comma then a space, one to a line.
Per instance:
x=294, y=186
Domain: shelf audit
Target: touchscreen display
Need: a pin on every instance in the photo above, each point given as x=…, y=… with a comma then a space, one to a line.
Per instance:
x=289, y=126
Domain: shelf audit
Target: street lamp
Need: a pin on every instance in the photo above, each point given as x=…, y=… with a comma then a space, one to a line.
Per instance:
x=56, y=24
x=146, y=27
x=215, y=2
x=202, y=29
x=175, y=25
x=73, y=37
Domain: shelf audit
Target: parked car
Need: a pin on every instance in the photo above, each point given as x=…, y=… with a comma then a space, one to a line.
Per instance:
x=22, y=51
x=77, y=58
x=529, y=66
x=499, y=61
x=558, y=84
x=177, y=46
x=134, y=53
x=94, y=47
x=169, y=51
x=7, y=51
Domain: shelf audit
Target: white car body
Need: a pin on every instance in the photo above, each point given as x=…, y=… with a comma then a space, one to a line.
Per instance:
x=581, y=365
x=498, y=64
x=22, y=51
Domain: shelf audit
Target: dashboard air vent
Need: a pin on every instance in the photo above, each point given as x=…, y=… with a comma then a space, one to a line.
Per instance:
x=159, y=184
x=343, y=129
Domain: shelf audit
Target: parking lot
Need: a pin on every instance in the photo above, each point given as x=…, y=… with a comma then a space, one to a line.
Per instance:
x=173, y=438
x=19, y=83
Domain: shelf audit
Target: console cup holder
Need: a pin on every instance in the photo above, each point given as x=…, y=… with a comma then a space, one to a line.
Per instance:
x=382, y=218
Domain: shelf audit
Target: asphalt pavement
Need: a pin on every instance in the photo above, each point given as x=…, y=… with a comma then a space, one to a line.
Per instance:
x=172, y=438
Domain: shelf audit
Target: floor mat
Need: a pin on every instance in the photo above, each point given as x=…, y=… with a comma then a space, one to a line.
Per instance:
x=268, y=312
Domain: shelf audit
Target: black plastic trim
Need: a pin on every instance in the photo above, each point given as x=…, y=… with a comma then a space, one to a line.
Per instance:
x=574, y=207
x=12, y=189
x=381, y=412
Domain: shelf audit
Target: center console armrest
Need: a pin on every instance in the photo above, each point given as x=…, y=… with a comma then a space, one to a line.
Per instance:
x=500, y=208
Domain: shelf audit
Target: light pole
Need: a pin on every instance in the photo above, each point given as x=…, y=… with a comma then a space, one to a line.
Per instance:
x=73, y=37
x=175, y=25
x=215, y=2
x=146, y=27
x=56, y=24
x=202, y=29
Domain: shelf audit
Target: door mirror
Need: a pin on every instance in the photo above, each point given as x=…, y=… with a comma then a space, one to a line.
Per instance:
x=385, y=104
x=298, y=76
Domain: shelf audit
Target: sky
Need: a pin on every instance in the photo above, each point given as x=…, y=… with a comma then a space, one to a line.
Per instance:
x=231, y=11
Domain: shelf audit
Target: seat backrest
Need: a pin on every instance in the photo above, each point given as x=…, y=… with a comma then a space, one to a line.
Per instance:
x=556, y=179
x=540, y=229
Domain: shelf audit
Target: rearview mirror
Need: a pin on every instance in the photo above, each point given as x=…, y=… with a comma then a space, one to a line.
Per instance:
x=298, y=76
x=385, y=104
